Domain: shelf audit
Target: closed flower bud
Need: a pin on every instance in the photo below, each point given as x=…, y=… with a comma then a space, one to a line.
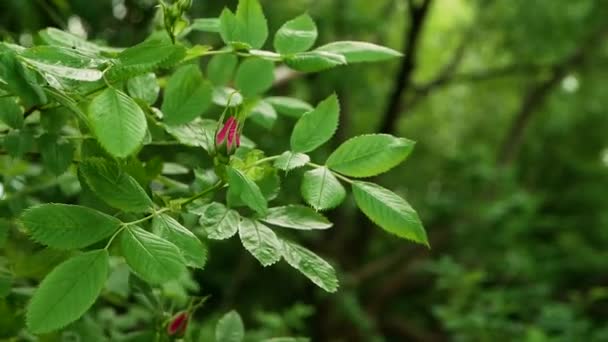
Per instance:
x=178, y=324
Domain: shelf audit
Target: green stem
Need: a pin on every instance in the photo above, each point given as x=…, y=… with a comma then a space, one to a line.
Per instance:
x=215, y=187
x=125, y=225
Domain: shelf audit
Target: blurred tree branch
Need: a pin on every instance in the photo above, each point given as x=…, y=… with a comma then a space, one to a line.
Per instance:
x=403, y=80
x=538, y=93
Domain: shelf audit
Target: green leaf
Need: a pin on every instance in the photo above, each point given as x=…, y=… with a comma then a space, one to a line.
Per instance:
x=389, y=211
x=321, y=189
x=58, y=55
x=296, y=35
x=118, y=122
x=144, y=87
x=114, y=186
x=65, y=226
x=260, y=241
x=230, y=328
x=289, y=106
x=198, y=133
x=316, y=127
x=18, y=142
x=20, y=81
x=192, y=249
x=314, y=61
x=263, y=114
x=356, y=52
x=247, y=26
x=67, y=292
x=147, y=56
x=291, y=160
x=227, y=97
x=152, y=258
x=221, y=69
x=206, y=25
x=187, y=96
x=77, y=74
x=311, y=265
x=369, y=155
x=56, y=154
x=246, y=189
x=57, y=37
x=10, y=112
x=297, y=217
x=218, y=222
x=254, y=76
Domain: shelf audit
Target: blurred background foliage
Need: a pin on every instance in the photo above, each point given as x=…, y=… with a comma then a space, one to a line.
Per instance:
x=508, y=103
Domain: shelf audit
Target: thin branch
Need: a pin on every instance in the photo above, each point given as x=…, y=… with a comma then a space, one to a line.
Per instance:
x=403, y=80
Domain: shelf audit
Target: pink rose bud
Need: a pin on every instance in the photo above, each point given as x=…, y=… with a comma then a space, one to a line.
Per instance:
x=178, y=324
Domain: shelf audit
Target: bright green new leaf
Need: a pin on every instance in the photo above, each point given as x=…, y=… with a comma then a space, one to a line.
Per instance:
x=356, y=52
x=296, y=35
x=321, y=189
x=246, y=189
x=230, y=328
x=254, y=76
x=144, y=87
x=151, y=257
x=227, y=97
x=311, y=265
x=192, y=249
x=314, y=61
x=316, y=127
x=389, y=211
x=218, y=222
x=67, y=292
x=247, y=26
x=260, y=241
x=119, y=124
x=289, y=106
x=221, y=69
x=290, y=160
x=56, y=154
x=114, y=186
x=297, y=217
x=65, y=226
x=187, y=95
x=369, y=155
x=10, y=112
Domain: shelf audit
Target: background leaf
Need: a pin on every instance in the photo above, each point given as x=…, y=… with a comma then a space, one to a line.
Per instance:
x=68, y=292
x=65, y=226
x=220, y=69
x=316, y=127
x=230, y=328
x=10, y=112
x=57, y=155
x=118, y=122
x=289, y=106
x=369, y=155
x=389, y=211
